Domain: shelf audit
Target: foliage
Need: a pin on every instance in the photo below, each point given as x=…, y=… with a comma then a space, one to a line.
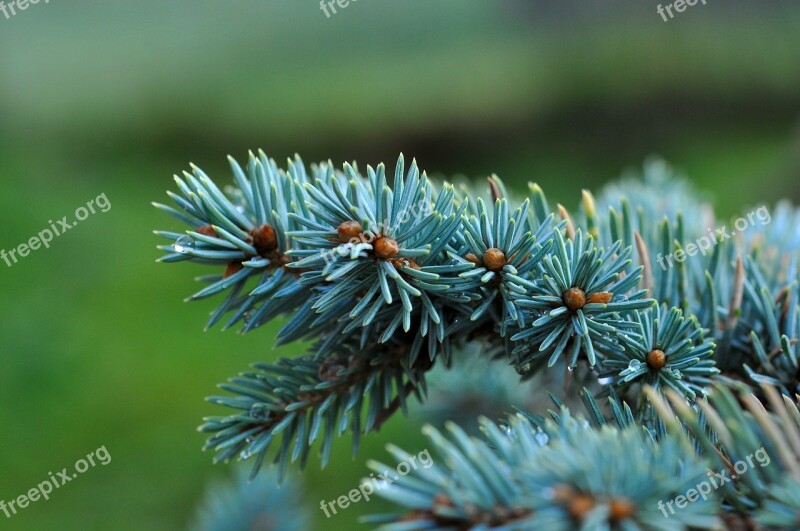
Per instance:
x=390, y=278
x=562, y=476
x=258, y=505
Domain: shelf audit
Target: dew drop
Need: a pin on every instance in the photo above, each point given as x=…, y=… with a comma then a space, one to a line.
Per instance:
x=257, y=412
x=183, y=245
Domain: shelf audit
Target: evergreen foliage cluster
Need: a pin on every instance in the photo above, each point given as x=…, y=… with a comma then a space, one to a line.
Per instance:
x=679, y=369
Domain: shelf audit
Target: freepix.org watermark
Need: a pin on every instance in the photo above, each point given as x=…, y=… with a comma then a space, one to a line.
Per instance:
x=715, y=480
x=329, y=6
x=369, y=486
x=46, y=487
x=10, y=9
x=704, y=244
x=46, y=236
x=359, y=246
x=678, y=5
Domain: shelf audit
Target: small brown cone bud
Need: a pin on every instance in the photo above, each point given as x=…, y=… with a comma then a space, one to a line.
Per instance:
x=494, y=259
x=443, y=500
x=233, y=268
x=265, y=239
x=206, y=230
x=581, y=504
x=404, y=262
x=385, y=247
x=621, y=508
x=563, y=493
x=656, y=359
x=348, y=230
x=472, y=258
x=603, y=297
x=574, y=298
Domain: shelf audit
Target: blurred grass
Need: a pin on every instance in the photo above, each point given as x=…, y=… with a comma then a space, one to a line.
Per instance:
x=114, y=97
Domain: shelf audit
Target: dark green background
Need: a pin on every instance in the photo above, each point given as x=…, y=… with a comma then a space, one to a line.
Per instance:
x=114, y=97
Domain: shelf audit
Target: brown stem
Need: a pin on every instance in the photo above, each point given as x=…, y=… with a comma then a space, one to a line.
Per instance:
x=384, y=415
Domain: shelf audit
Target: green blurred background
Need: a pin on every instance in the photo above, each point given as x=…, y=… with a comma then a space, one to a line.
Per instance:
x=114, y=97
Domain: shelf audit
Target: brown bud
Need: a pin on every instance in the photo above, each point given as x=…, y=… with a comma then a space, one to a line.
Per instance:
x=233, y=268
x=347, y=230
x=621, y=508
x=574, y=298
x=206, y=230
x=330, y=367
x=472, y=258
x=581, y=504
x=404, y=262
x=603, y=297
x=385, y=247
x=494, y=259
x=443, y=500
x=264, y=239
x=563, y=492
x=656, y=359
